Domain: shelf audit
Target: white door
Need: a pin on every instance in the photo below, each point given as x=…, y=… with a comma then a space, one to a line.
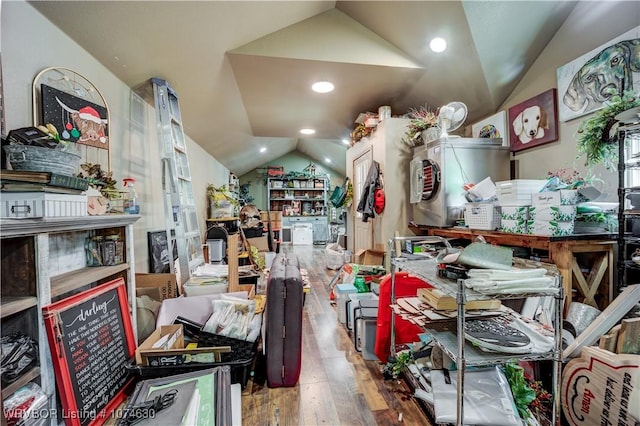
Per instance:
x=363, y=231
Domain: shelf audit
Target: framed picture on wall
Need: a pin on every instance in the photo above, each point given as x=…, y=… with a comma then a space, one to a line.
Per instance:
x=76, y=119
x=584, y=82
x=492, y=127
x=534, y=122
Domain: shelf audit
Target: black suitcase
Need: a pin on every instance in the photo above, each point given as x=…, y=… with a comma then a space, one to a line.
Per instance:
x=283, y=322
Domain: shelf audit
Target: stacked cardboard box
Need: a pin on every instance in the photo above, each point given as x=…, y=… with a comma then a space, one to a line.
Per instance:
x=552, y=213
x=514, y=197
x=513, y=219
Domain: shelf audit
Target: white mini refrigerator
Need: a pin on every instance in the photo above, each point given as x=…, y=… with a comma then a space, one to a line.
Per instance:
x=302, y=234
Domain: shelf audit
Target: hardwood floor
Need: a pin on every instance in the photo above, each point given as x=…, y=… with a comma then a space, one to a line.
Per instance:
x=337, y=386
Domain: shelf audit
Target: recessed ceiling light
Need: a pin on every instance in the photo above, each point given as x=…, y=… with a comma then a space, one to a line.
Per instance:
x=438, y=44
x=322, y=87
x=307, y=131
x=345, y=141
x=327, y=160
x=263, y=149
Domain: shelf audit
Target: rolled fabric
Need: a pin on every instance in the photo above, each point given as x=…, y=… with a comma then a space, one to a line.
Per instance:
x=503, y=275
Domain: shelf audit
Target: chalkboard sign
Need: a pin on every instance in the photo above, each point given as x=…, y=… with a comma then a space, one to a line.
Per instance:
x=91, y=339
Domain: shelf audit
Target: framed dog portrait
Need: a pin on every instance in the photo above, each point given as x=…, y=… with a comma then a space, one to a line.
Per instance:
x=76, y=119
x=534, y=122
x=584, y=82
x=494, y=126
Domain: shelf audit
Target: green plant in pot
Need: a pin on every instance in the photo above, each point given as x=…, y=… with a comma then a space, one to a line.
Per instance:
x=597, y=140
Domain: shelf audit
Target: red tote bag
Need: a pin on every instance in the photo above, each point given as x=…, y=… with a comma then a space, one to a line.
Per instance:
x=406, y=332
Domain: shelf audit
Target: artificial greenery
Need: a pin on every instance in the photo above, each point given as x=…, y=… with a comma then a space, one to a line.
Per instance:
x=594, y=139
x=258, y=259
x=220, y=194
x=393, y=368
x=295, y=175
x=361, y=131
x=421, y=119
x=523, y=395
x=99, y=179
x=349, y=196
x=245, y=195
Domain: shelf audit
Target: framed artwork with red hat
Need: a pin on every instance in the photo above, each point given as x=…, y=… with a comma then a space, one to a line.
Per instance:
x=77, y=119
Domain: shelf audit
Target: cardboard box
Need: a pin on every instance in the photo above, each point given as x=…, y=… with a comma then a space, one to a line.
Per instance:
x=550, y=228
x=514, y=212
x=553, y=213
x=261, y=243
x=172, y=350
x=369, y=257
x=275, y=215
x=167, y=284
x=513, y=226
x=564, y=197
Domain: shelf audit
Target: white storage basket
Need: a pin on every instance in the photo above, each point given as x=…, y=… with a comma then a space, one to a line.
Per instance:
x=518, y=192
x=485, y=216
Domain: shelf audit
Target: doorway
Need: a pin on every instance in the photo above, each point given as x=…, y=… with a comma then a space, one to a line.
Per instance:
x=363, y=231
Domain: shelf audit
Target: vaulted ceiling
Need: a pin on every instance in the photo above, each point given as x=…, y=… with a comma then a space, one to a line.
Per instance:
x=243, y=69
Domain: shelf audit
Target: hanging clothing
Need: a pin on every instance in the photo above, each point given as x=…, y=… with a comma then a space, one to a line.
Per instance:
x=367, y=199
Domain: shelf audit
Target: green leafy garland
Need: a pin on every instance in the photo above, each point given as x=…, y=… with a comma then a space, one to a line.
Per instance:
x=593, y=137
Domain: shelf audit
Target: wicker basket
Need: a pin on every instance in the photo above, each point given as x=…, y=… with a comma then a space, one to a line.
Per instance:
x=39, y=159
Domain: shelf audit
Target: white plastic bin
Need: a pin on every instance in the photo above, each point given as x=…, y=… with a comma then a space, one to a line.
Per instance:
x=302, y=234
x=353, y=302
x=268, y=258
x=365, y=318
x=342, y=292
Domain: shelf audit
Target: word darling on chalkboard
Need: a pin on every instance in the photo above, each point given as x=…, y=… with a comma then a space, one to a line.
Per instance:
x=91, y=341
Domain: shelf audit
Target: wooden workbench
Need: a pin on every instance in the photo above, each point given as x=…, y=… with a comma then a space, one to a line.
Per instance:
x=585, y=261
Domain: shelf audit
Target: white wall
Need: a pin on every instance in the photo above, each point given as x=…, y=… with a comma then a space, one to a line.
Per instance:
x=589, y=26
x=30, y=44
